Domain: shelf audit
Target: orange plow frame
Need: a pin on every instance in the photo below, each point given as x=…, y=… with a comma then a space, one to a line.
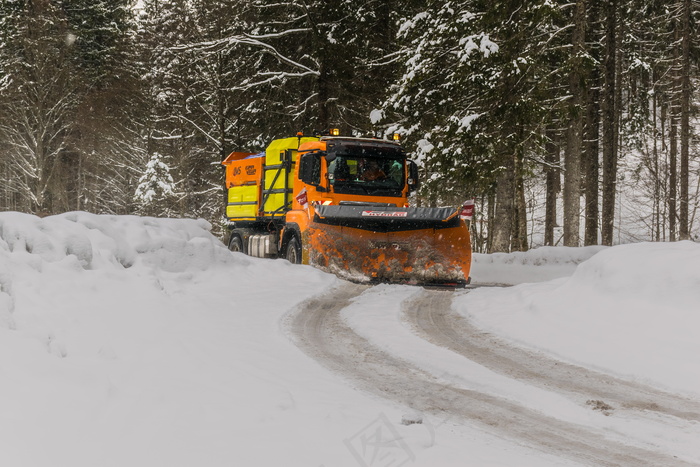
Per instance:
x=437, y=255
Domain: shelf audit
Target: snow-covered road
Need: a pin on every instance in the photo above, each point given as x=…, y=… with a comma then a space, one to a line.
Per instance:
x=374, y=358
x=128, y=341
x=433, y=317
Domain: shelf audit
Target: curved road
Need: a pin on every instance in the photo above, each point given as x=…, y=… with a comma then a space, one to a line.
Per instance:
x=316, y=327
x=432, y=317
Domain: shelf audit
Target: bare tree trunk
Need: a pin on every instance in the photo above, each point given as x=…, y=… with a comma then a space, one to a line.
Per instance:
x=572, y=185
x=672, y=171
x=656, y=222
x=553, y=187
x=664, y=181
x=591, y=155
x=683, y=228
x=591, y=162
x=479, y=242
x=610, y=127
x=221, y=106
x=520, y=212
x=574, y=140
x=618, y=114
x=80, y=184
x=502, y=222
x=491, y=216
x=673, y=143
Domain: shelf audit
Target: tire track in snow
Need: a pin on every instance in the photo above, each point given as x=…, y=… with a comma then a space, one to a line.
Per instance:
x=317, y=328
x=432, y=317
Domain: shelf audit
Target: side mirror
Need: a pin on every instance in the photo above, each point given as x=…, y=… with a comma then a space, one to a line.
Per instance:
x=310, y=168
x=413, y=177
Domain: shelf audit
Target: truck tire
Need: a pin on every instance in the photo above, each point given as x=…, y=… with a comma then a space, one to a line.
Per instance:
x=235, y=243
x=293, y=251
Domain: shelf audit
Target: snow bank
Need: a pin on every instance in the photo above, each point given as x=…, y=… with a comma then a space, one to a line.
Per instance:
x=630, y=309
x=95, y=241
x=80, y=240
x=130, y=341
x=6, y=303
x=537, y=265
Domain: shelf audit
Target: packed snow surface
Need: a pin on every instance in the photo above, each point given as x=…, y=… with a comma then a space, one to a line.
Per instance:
x=633, y=310
x=129, y=341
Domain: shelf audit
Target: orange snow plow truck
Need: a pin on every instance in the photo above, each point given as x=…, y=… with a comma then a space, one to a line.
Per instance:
x=341, y=204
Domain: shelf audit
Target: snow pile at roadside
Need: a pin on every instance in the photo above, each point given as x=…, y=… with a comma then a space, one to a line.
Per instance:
x=80, y=240
x=128, y=341
x=537, y=265
x=632, y=310
x=97, y=241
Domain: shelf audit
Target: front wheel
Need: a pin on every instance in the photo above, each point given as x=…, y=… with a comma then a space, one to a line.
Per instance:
x=293, y=251
x=236, y=243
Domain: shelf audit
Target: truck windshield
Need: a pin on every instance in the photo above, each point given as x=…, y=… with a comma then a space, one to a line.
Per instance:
x=379, y=176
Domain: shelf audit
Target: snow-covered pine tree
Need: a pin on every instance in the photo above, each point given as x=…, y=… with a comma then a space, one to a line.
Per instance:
x=155, y=192
x=477, y=88
x=435, y=103
x=181, y=91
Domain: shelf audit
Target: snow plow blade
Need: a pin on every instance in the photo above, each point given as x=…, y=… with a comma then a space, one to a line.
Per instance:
x=364, y=243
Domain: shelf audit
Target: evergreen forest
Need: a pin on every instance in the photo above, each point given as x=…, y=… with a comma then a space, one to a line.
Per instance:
x=570, y=123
